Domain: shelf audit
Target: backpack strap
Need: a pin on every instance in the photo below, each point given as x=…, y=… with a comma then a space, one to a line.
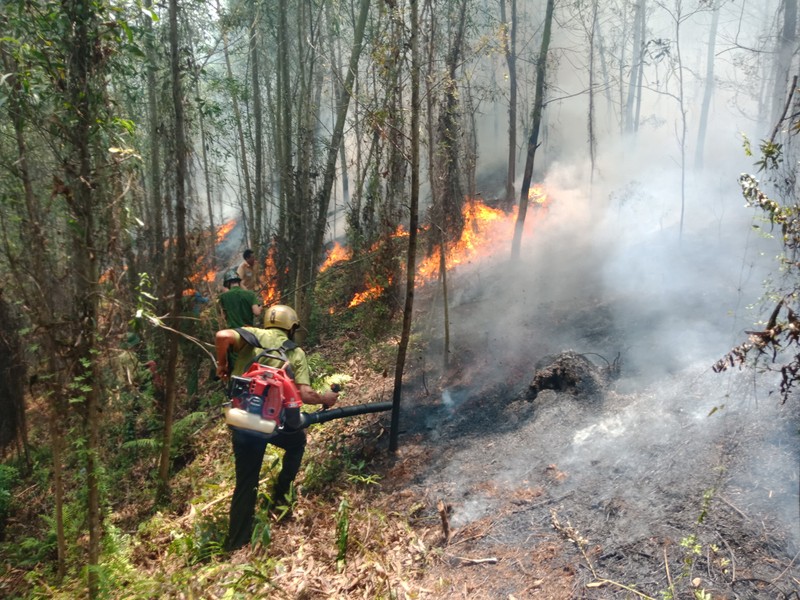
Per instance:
x=251, y=339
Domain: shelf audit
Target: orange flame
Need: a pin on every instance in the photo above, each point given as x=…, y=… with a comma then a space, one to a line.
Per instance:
x=537, y=194
x=224, y=229
x=269, y=280
x=486, y=231
x=368, y=294
x=337, y=254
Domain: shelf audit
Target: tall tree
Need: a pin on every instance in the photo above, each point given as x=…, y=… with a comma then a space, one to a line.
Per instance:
x=510, y=51
x=413, y=223
x=785, y=51
x=179, y=271
x=257, y=218
x=155, y=224
x=533, y=140
x=634, y=99
x=708, y=91
x=239, y=125
x=323, y=195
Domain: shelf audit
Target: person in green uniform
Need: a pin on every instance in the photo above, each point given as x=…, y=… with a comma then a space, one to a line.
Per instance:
x=280, y=324
x=241, y=306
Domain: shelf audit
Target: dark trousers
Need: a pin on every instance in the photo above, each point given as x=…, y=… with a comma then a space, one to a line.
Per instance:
x=248, y=451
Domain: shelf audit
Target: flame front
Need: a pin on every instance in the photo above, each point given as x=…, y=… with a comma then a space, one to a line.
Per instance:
x=487, y=231
x=224, y=229
x=337, y=254
x=269, y=280
x=368, y=294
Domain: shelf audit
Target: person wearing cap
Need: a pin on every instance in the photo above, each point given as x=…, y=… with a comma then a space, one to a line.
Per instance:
x=241, y=306
x=280, y=325
x=245, y=270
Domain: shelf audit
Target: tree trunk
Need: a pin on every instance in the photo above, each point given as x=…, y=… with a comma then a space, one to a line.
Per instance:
x=413, y=223
x=237, y=117
x=83, y=195
x=155, y=229
x=324, y=194
x=510, y=50
x=787, y=46
x=709, y=89
x=533, y=140
x=289, y=218
x=590, y=121
x=179, y=272
x=637, y=63
x=56, y=418
x=257, y=218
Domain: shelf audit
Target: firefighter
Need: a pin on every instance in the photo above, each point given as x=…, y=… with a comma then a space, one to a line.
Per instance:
x=280, y=325
x=241, y=306
x=245, y=270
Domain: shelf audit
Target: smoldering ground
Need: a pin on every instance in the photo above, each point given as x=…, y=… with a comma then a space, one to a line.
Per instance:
x=667, y=449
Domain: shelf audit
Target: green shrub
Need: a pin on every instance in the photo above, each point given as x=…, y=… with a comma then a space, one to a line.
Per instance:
x=9, y=476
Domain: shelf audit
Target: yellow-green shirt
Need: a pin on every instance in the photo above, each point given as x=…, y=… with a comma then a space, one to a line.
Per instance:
x=273, y=338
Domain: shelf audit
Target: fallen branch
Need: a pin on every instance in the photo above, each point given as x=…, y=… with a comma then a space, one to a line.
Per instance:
x=744, y=516
x=491, y=560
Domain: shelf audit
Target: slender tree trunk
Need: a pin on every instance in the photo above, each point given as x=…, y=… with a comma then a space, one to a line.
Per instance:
x=631, y=123
x=179, y=273
x=156, y=222
x=590, y=122
x=256, y=220
x=56, y=418
x=683, y=127
x=709, y=88
x=413, y=223
x=237, y=117
x=510, y=50
x=289, y=213
x=324, y=194
x=207, y=174
x=533, y=140
x=787, y=47
x=83, y=196
x=640, y=70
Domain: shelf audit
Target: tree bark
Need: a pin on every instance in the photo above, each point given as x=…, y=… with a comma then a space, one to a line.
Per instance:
x=155, y=229
x=709, y=88
x=257, y=218
x=787, y=46
x=637, y=64
x=84, y=197
x=533, y=140
x=179, y=272
x=413, y=223
x=237, y=117
x=510, y=50
x=329, y=175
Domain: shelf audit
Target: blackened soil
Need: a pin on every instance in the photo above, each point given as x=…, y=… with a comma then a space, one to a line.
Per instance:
x=664, y=480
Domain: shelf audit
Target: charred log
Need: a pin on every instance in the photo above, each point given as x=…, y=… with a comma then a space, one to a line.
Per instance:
x=572, y=373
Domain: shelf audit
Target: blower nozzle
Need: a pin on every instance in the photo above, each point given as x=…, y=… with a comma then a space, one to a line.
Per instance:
x=323, y=416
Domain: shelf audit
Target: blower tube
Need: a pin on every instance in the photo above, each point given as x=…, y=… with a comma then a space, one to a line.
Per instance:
x=323, y=416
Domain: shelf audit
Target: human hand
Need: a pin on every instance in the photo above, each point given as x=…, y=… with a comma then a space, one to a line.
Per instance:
x=222, y=371
x=329, y=398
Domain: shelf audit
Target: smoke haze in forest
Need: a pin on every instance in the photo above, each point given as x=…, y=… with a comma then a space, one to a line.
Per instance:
x=672, y=299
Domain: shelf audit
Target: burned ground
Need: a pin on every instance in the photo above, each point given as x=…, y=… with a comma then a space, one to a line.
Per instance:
x=558, y=480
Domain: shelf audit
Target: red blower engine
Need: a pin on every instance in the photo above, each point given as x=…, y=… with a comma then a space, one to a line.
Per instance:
x=258, y=398
x=264, y=400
